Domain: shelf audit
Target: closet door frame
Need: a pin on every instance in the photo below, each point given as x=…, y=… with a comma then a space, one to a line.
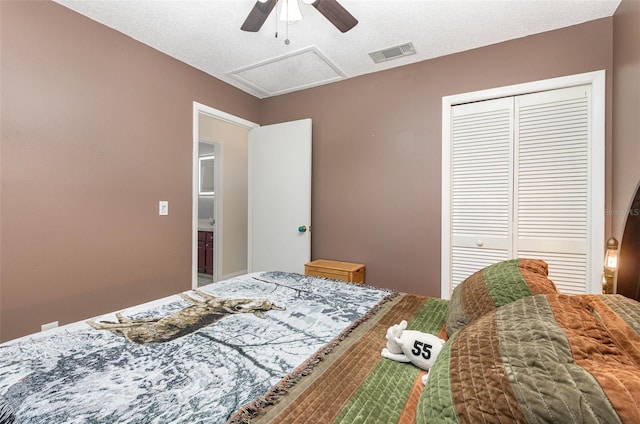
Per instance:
x=597, y=80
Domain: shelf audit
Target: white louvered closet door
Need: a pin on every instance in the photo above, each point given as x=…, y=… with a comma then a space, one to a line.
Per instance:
x=553, y=183
x=523, y=183
x=481, y=186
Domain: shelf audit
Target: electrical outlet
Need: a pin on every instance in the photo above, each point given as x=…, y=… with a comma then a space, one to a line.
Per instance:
x=49, y=326
x=163, y=207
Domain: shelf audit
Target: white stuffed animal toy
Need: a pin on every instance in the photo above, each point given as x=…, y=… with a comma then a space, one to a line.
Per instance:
x=421, y=349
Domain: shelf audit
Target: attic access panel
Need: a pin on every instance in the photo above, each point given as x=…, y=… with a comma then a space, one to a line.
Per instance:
x=298, y=70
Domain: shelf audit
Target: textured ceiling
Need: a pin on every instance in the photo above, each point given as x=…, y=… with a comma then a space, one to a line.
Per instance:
x=206, y=34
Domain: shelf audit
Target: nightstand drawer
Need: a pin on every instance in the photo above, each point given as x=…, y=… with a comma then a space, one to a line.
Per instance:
x=336, y=270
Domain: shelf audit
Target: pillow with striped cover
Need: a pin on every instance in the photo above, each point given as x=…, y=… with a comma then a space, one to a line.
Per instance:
x=495, y=286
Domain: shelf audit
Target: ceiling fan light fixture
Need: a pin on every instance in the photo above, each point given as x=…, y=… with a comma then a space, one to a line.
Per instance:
x=290, y=11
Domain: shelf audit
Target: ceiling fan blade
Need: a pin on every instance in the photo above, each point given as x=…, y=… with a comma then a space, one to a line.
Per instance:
x=258, y=15
x=336, y=14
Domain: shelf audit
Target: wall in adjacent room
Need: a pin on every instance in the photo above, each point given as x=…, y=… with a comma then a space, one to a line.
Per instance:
x=233, y=159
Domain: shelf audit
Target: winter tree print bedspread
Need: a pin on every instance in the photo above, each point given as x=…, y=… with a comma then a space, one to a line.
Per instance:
x=80, y=374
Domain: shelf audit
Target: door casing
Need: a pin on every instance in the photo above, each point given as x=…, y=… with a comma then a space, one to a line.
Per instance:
x=200, y=109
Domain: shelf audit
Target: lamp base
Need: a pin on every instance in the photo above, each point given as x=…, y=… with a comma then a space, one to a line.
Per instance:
x=608, y=283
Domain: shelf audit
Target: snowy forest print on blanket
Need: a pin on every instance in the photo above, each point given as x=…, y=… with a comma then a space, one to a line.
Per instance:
x=201, y=313
x=79, y=374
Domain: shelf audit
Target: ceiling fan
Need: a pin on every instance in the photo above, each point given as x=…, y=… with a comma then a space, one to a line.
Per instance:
x=330, y=9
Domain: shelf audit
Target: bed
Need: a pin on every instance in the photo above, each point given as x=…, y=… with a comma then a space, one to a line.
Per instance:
x=278, y=347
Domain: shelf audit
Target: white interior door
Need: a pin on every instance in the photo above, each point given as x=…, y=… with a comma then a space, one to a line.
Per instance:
x=280, y=197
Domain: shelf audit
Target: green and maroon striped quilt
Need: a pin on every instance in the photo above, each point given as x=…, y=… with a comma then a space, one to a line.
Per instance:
x=354, y=384
x=543, y=358
x=546, y=358
x=494, y=286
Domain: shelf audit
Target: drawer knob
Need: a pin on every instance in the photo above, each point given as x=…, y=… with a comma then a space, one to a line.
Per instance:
x=302, y=229
x=479, y=243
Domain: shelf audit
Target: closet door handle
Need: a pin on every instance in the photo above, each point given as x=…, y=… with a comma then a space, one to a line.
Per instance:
x=479, y=243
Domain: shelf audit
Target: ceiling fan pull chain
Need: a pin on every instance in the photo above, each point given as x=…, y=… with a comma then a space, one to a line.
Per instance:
x=286, y=40
x=276, y=17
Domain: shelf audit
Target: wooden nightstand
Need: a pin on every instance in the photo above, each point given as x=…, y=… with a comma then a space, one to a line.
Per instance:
x=345, y=271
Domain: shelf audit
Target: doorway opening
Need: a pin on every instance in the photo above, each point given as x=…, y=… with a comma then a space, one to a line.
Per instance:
x=209, y=157
x=228, y=135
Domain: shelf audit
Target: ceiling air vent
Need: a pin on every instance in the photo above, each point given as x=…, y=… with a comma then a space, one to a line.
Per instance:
x=393, y=52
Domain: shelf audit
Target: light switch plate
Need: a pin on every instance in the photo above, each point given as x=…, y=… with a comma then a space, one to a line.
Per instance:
x=163, y=207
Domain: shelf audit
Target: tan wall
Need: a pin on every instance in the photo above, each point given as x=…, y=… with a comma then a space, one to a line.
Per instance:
x=96, y=129
x=233, y=160
x=626, y=108
x=377, y=147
